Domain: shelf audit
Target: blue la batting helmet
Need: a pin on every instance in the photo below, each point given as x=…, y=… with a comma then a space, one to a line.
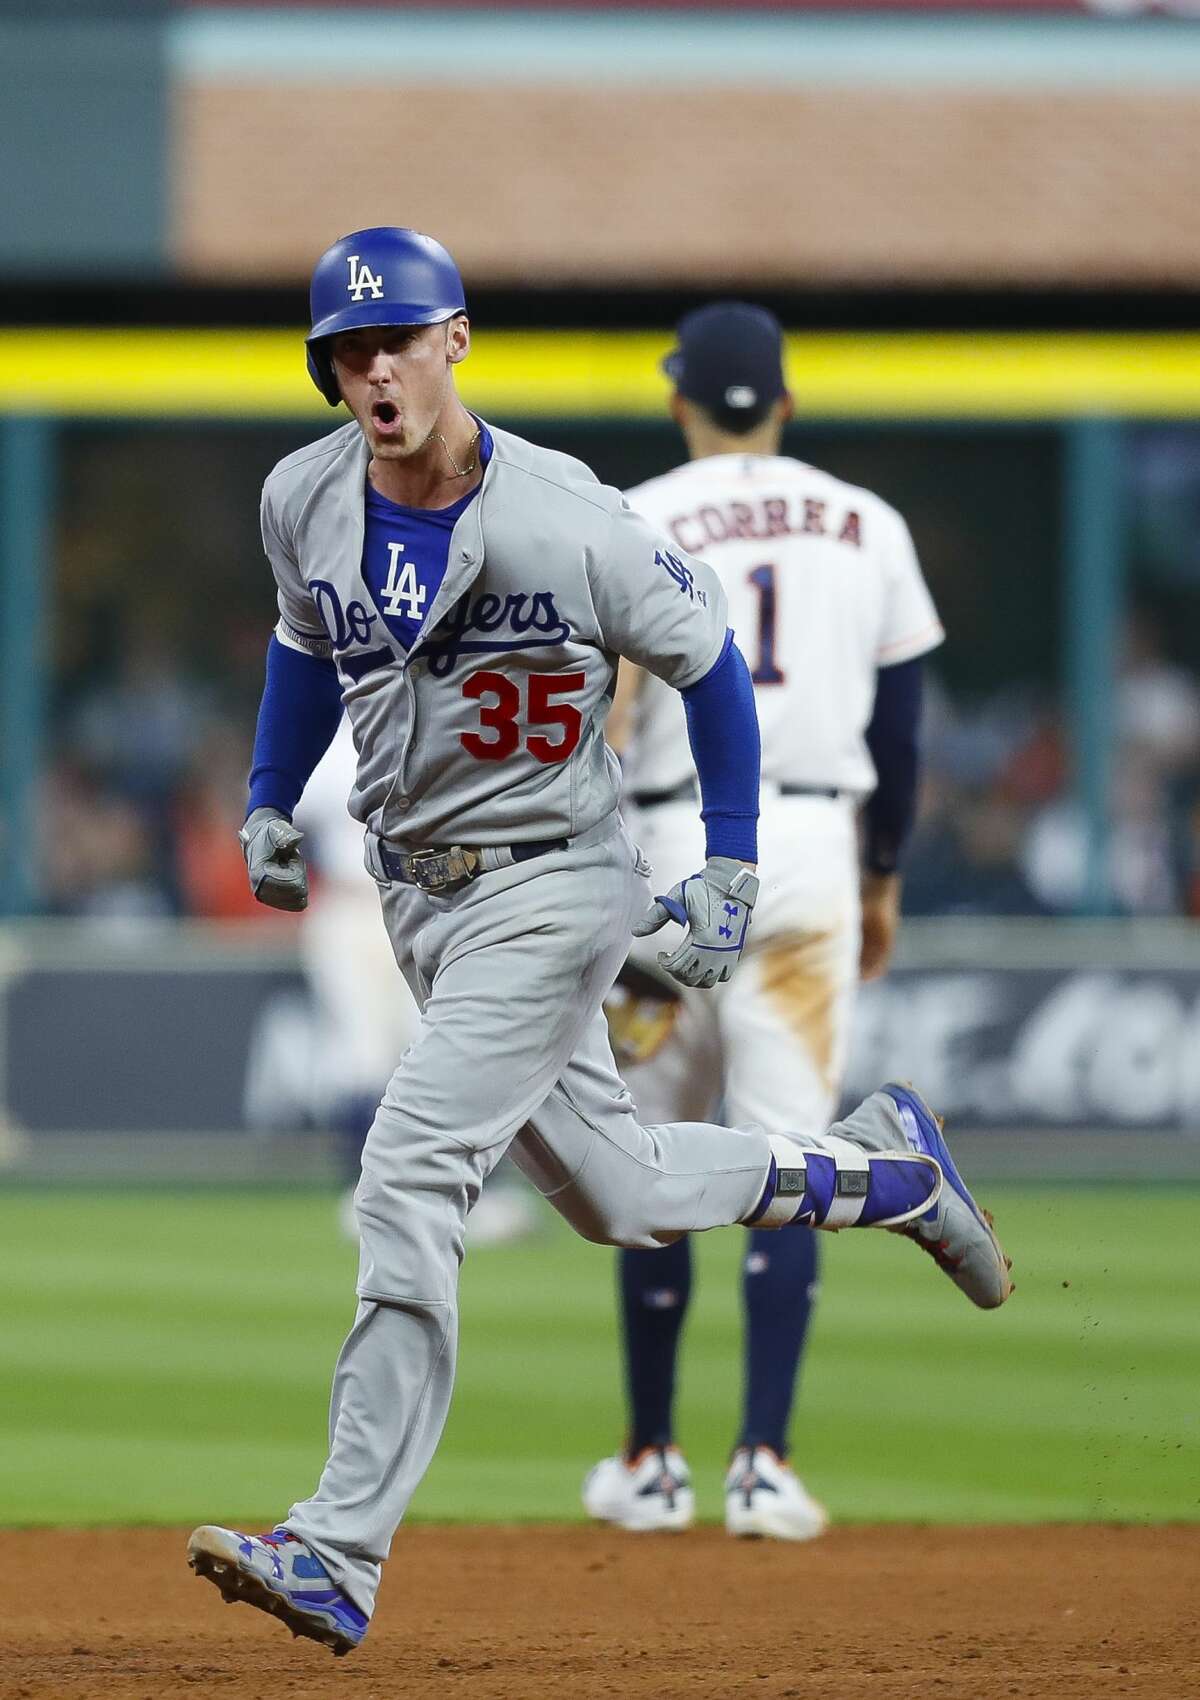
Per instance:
x=382, y=276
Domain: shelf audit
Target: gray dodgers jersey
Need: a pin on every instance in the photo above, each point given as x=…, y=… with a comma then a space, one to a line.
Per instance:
x=490, y=730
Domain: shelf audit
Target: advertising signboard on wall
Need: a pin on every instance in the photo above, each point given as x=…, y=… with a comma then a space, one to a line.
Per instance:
x=224, y=1039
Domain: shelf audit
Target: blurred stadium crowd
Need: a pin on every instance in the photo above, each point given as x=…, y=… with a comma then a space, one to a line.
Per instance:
x=146, y=790
x=157, y=679
x=156, y=684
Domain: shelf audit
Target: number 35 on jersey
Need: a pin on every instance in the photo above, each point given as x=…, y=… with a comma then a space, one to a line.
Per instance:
x=507, y=719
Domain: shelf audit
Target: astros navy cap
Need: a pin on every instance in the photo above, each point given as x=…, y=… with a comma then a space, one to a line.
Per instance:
x=729, y=358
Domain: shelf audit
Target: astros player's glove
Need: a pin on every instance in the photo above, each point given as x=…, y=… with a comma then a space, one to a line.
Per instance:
x=278, y=876
x=715, y=906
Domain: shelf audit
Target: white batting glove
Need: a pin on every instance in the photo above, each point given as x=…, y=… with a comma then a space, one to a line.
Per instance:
x=715, y=906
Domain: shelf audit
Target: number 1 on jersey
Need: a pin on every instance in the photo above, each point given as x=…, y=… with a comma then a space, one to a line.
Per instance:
x=765, y=671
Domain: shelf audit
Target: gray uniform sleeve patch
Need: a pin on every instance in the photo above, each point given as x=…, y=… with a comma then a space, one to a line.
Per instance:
x=657, y=605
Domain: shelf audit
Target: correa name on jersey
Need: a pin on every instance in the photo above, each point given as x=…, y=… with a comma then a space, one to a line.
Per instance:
x=764, y=517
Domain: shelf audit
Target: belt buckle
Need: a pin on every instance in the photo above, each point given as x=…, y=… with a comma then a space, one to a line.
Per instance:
x=434, y=870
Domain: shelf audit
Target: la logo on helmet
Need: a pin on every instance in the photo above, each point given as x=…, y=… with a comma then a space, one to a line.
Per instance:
x=363, y=278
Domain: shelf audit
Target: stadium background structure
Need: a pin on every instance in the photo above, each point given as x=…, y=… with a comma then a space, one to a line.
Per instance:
x=1084, y=384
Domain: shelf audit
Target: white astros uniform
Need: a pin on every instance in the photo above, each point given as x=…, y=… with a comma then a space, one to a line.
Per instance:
x=824, y=588
x=363, y=998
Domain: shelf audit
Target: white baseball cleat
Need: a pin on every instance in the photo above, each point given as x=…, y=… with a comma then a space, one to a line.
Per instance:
x=765, y=1496
x=651, y=1492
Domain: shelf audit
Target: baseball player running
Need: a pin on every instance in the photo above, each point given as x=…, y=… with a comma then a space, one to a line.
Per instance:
x=827, y=601
x=466, y=595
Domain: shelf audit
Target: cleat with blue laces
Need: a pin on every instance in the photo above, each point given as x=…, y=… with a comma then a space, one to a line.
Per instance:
x=886, y=1165
x=956, y=1232
x=279, y=1574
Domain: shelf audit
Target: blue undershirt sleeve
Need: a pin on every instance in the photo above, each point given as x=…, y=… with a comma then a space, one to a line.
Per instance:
x=893, y=738
x=297, y=718
x=722, y=724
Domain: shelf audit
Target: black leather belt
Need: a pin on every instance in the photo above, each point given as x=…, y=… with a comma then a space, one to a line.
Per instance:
x=687, y=792
x=435, y=870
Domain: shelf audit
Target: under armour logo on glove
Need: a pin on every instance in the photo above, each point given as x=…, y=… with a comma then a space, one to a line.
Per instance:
x=716, y=924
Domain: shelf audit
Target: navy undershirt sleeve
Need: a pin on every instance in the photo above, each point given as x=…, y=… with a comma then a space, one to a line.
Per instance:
x=299, y=714
x=722, y=725
x=893, y=738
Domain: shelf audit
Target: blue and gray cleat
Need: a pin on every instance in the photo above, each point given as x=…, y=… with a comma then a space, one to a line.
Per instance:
x=279, y=1574
x=956, y=1233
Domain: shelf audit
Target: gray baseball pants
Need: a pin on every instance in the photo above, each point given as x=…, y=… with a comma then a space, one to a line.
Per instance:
x=510, y=972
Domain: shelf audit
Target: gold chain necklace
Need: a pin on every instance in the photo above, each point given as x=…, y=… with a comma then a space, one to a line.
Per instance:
x=462, y=471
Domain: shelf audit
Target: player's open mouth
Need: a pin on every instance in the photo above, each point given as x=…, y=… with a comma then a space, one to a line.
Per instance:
x=385, y=415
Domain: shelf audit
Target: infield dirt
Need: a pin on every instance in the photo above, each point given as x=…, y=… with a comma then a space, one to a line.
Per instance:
x=522, y=1613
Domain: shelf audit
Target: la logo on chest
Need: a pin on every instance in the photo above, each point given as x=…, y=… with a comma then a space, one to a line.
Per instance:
x=403, y=596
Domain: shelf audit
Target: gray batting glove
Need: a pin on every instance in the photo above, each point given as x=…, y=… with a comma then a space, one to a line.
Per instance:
x=715, y=906
x=278, y=876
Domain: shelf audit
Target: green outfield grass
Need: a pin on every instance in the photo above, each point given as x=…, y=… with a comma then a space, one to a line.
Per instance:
x=166, y=1357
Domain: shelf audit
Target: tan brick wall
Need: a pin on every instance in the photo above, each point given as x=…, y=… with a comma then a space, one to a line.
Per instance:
x=617, y=185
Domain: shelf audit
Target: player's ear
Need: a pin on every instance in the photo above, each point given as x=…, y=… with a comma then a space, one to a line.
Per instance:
x=678, y=409
x=787, y=407
x=458, y=338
